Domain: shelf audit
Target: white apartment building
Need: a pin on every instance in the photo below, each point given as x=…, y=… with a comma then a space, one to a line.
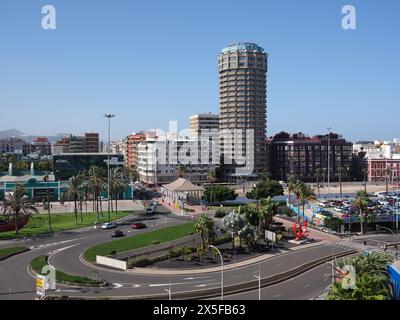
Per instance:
x=160, y=158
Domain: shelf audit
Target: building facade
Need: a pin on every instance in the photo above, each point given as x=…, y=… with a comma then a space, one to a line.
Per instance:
x=306, y=158
x=92, y=142
x=203, y=122
x=70, y=164
x=76, y=144
x=383, y=169
x=160, y=161
x=243, y=106
x=41, y=146
x=15, y=146
x=132, y=145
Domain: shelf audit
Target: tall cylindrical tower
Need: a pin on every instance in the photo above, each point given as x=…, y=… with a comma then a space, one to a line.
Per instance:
x=243, y=105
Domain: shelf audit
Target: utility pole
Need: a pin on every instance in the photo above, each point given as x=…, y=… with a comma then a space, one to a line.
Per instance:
x=109, y=116
x=329, y=161
x=259, y=281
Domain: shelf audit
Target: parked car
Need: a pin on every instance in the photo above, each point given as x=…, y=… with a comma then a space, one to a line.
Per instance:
x=150, y=210
x=117, y=234
x=139, y=225
x=108, y=225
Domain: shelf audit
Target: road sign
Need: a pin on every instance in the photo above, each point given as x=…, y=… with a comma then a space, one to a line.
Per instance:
x=41, y=285
x=271, y=236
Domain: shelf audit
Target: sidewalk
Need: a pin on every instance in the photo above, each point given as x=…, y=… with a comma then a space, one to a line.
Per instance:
x=198, y=210
x=240, y=264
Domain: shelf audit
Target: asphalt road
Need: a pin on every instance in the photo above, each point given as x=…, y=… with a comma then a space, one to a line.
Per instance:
x=65, y=251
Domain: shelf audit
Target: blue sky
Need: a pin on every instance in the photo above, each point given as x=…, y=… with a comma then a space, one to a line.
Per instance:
x=154, y=61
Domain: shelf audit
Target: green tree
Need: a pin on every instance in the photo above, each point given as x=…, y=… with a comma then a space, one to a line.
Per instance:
x=265, y=189
x=97, y=183
x=387, y=171
x=340, y=171
x=318, y=173
x=205, y=226
x=211, y=178
x=372, y=279
x=233, y=223
x=248, y=234
x=267, y=209
x=74, y=192
x=333, y=223
x=219, y=194
x=361, y=203
x=117, y=185
x=18, y=205
x=306, y=194
x=181, y=171
x=290, y=185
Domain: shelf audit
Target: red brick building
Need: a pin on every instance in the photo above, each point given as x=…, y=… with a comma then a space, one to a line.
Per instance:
x=381, y=169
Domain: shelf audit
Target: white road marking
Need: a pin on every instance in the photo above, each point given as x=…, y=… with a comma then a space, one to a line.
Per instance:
x=62, y=249
x=200, y=286
x=307, y=286
x=278, y=295
x=117, y=285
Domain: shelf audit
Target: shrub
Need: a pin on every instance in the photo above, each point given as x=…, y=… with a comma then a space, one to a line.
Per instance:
x=221, y=240
x=220, y=213
x=141, y=262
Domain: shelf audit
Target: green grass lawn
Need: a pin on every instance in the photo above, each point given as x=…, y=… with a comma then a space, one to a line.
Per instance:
x=11, y=251
x=140, y=241
x=39, y=262
x=38, y=224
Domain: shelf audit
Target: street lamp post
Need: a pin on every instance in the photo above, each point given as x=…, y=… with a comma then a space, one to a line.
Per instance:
x=259, y=281
x=46, y=178
x=222, y=270
x=109, y=116
x=329, y=161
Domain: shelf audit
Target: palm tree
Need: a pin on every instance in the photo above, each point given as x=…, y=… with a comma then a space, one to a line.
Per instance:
x=291, y=183
x=318, y=173
x=361, y=202
x=74, y=192
x=372, y=280
x=181, y=171
x=340, y=172
x=117, y=185
x=211, y=178
x=205, y=226
x=18, y=204
x=133, y=174
x=266, y=211
x=388, y=171
x=306, y=194
x=97, y=183
x=365, y=175
x=298, y=186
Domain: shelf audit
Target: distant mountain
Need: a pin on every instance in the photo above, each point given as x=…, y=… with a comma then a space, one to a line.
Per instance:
x=28, y=138
x=11, y=133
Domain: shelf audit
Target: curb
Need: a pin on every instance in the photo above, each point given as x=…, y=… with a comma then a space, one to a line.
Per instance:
x=233, y=289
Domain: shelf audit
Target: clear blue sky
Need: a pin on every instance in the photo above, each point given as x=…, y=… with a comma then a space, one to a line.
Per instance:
x=154, y=61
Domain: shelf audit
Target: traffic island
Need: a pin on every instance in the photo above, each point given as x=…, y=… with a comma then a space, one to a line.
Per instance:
x=38, y=263
x=6, y=253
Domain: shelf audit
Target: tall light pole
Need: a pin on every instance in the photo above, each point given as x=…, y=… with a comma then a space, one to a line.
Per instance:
x=109, y=116
x=259, y=281
x=222, y=270
x=329, y=161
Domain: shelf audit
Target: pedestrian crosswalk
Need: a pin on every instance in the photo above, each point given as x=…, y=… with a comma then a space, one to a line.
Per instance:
x=52, y=244
x=365, y=248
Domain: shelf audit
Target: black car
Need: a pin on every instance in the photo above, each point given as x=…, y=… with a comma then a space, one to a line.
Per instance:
x=117, y=234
